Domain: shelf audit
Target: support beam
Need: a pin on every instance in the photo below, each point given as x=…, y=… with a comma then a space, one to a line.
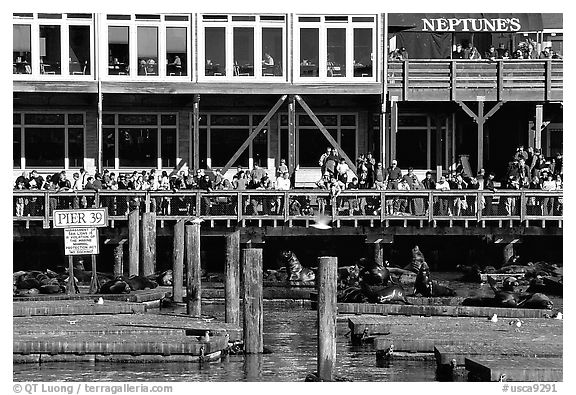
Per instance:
x=232, y=278
x=148, y=248
x=133, y=242
x=382, y=134
x=178, y=262
x=538, y=126
x=326, y=134
x=393, y=129
x=100, y=166
x=253, y=301
x=480, y=162
x=254, y=133
x=291, y=135
x=193, y=270
x=195, y=160
x=493, y=110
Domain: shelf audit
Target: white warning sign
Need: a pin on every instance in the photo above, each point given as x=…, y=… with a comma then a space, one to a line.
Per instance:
x=81, y=241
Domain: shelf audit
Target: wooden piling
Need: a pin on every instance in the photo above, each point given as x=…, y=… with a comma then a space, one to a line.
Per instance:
x=327, y=283
x=148, y=249
x=178, y=262
x=232, y=278
x=193, y=283
x=71, y=288
x=94, y=286
x=253, y=317
x=133, y=242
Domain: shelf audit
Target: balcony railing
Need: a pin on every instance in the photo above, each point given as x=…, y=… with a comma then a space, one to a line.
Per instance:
x=499, y=80
x=371, y=206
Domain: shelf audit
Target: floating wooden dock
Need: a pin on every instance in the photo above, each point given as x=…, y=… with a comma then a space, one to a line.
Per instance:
x=364, y=327
x=422, y=334
x=74, y=307
x=134, y=296
x=415, y=300
x=514, y=369
x=442, y=310
x=446, y=354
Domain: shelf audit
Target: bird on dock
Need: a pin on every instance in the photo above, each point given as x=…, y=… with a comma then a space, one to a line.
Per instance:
x=202, y=358
x=502, y=377
x=99, y=301
x=206, y=336
x=389, y=352
x=516, y=322
x=558, y=316
x=72, y=322
x=494, y=318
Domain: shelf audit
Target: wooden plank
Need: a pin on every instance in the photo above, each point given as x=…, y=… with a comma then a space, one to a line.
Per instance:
x=369, y=325
x=254, y=133
x=431, y=310
x=326, y=134
x=133, y=296
x=445, y=354
x=515, y=369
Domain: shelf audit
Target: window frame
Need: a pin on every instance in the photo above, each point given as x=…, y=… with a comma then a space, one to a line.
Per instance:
x=161, y=24
x=64, y=23
x=323, y=27
x=159, y=127
x=250, y=127
x=258, y=24
x=66, y=126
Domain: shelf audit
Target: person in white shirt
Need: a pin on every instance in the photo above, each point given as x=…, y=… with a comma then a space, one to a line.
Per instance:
x=548, y=202
x=443, y=203
x=342, y=170
x=282, y=184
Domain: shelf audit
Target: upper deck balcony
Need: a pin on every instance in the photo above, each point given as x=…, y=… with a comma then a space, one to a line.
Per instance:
x=473, y=80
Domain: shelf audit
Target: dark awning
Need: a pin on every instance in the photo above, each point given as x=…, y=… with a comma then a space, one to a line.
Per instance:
x=481, y=22
x=552, y=21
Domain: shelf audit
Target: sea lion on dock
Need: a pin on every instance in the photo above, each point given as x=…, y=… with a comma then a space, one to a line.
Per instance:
x=425, y=286
x=138, y=283
x=374, y=273
x=417, y=260
x=348, y=276
x=51, y=289
x=503, y=298
x=391, y=294
x=115, y=286
x=296, y=271
x=537, y=301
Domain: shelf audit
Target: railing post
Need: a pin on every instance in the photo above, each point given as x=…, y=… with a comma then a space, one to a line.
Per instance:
x=285, y=205
x=239, y=206
x=334, y=205
x=522, y=206
x=97, y=199
x=452, y=80
x=548, y=78
x=198, y=205
x=147, y=202
x=479, y=199
x=430, y=206
x=500, y=80
x=46, y=224
x=405, y=84
x=382, y=206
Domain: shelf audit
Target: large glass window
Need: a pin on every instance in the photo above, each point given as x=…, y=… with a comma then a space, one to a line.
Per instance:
x=21, y=50
x=363, y=54
x=118, y=50
x=76, y=147
x=243, y=51
x=336, y=54
x=272, y=49
x=215, y=51
x=147, y=50
x=50, y=50
x=412, y=148
x=138, y=147
x=221, y=153
x=17, y=146
x=168, y=147
x=44, y=147
x=79, y=50
x=176, y=51
x=108, y=148
x=309, y=52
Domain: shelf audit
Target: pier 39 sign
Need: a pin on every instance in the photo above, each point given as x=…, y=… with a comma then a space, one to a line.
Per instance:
x=80, y=229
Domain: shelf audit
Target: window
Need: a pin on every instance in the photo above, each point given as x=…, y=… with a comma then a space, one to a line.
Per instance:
x=147, y=50
x=139, y=140
x=215, y=52
x=310, y=141
x=50, y=50
x=335, y=46
x=49, y=141
x=272, y=59
x=118, y=50
x=176, y=51
x=242, y=46
x=309, y=52
x=22, y=54
x=223, y=134
x=79, y=51
x=243, y=51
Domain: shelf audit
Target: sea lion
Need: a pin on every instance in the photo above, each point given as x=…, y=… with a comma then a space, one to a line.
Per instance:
x=351, y=295
x=296, y=271
x=348, y=276
x=391, y=294
x=137, y=283
x=536, y=301
x=503, y=298
x=115, y=286
x=50, y=289
x=425, y=286
x=417, y=260
x=165, y=278
x=26, y=292
x=510, y=284
x=374, y=273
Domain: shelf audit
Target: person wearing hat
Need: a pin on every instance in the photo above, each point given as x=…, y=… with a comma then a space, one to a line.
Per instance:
x=282, y=168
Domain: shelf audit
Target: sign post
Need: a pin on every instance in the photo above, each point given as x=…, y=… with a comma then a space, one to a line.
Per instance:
x=81, y=238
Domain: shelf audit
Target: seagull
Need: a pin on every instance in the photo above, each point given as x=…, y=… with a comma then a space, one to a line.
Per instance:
x=206, y=337
x=494, y=318
x=100, y=301
x=517, y=322
x=72, y=322
x=389, y=351
x=558, y=316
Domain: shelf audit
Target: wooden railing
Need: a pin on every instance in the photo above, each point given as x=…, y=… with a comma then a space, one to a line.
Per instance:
x=293, y=205
x=472, y=80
